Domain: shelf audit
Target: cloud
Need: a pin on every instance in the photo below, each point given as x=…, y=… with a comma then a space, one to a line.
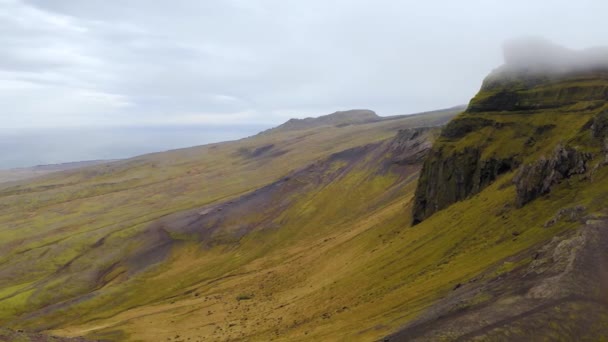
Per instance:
x=72, y=62
x=541, y=55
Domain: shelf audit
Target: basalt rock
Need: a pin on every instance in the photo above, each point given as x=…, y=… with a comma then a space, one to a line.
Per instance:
x=448, y=179
x=536, y=179
x=456, y=129
x=545, y=96
x=514, y=115
x=410, y=146
x=599, y=125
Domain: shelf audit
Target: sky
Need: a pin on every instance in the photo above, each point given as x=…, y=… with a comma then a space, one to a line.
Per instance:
x=73, y=64
x=25, y=148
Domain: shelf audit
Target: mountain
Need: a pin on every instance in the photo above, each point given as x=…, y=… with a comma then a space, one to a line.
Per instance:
x=356, y=117
x=342, y=118
x=520, y=115
x=522, y=172
x=483, y=224
x=204, y=241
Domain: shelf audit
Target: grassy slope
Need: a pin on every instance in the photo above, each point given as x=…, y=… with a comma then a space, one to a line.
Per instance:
x=345, y=264
x=493, y=226
x=360, y=281
x=49, y=226
x=18, y=174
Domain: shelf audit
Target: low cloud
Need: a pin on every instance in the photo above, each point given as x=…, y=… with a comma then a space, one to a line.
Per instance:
x=91, y=63
x=542, y=55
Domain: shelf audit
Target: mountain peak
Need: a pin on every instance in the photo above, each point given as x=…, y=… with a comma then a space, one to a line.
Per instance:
x=551, y=95
x=339, y=118
x=539, y=74
x=532, y=61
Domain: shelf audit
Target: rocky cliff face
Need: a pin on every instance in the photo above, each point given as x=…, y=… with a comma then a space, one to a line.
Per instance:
x=446, y=179
x=541, y=126
x=536, y=179
x=411, y=146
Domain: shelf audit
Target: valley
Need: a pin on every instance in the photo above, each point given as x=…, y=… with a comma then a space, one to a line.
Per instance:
x=479, y=223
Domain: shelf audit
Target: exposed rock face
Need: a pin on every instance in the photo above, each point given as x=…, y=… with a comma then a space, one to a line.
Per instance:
x=517, y=112
x=457, y=129
x=599, y=126
x=524, y=99
x=565, y=284
x=572, y=214
x=536, y=179
x=448, y=179
x=506, y=90
x=533, y=67
x=411, y=146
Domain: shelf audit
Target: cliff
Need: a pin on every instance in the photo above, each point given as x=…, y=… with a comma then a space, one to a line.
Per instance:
x=546, y=122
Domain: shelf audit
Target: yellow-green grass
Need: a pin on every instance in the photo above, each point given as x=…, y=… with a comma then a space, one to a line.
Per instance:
x=124, y=194
x=513, y=137
x=383, y=271
x=48, y=225
x=340, y=263
x=368, y=276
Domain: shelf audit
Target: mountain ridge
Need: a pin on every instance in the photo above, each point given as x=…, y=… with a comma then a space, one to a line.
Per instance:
x=102, y=234
x=339, y=118
x=503, y=103
x=537, y=147
x=477, y=225
x=346, y=118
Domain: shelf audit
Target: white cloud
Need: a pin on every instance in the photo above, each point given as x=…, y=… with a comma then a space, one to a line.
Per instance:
x=72, y=62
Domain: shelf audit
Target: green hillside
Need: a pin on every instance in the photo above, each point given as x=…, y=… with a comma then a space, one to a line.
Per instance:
x=535, y=146
x=490, y=227
x=88, y=246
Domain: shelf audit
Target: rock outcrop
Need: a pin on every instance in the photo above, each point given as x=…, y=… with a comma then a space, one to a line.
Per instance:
x=411, y=146
x=533, y=74
x=523, y=111
x=543, y=98
x=448, y=179
x=565, y=284
x=536, y=179
x=599, y=126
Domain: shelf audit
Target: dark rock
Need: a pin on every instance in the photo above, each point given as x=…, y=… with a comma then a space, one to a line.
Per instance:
x=509, y=90
x=599, y=125
x=536, y=179
x=448, y=179
x=410, y=146
x=572, y=214
x=460, y=127
x=503, y=100
x=605, y=151
x=543, y=129
x=530, y=142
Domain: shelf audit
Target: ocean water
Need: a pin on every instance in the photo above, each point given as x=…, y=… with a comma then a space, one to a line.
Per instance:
x=30, y=147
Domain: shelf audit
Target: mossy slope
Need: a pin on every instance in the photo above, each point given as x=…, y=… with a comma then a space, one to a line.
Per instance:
x=87, y=244
x=313, y=228
x=541, y=139
x=511, y=122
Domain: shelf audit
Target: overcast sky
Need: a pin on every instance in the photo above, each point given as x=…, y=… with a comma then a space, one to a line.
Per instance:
x=142, y=62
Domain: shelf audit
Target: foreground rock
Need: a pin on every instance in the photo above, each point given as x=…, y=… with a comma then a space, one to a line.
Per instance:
x=562, y=294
